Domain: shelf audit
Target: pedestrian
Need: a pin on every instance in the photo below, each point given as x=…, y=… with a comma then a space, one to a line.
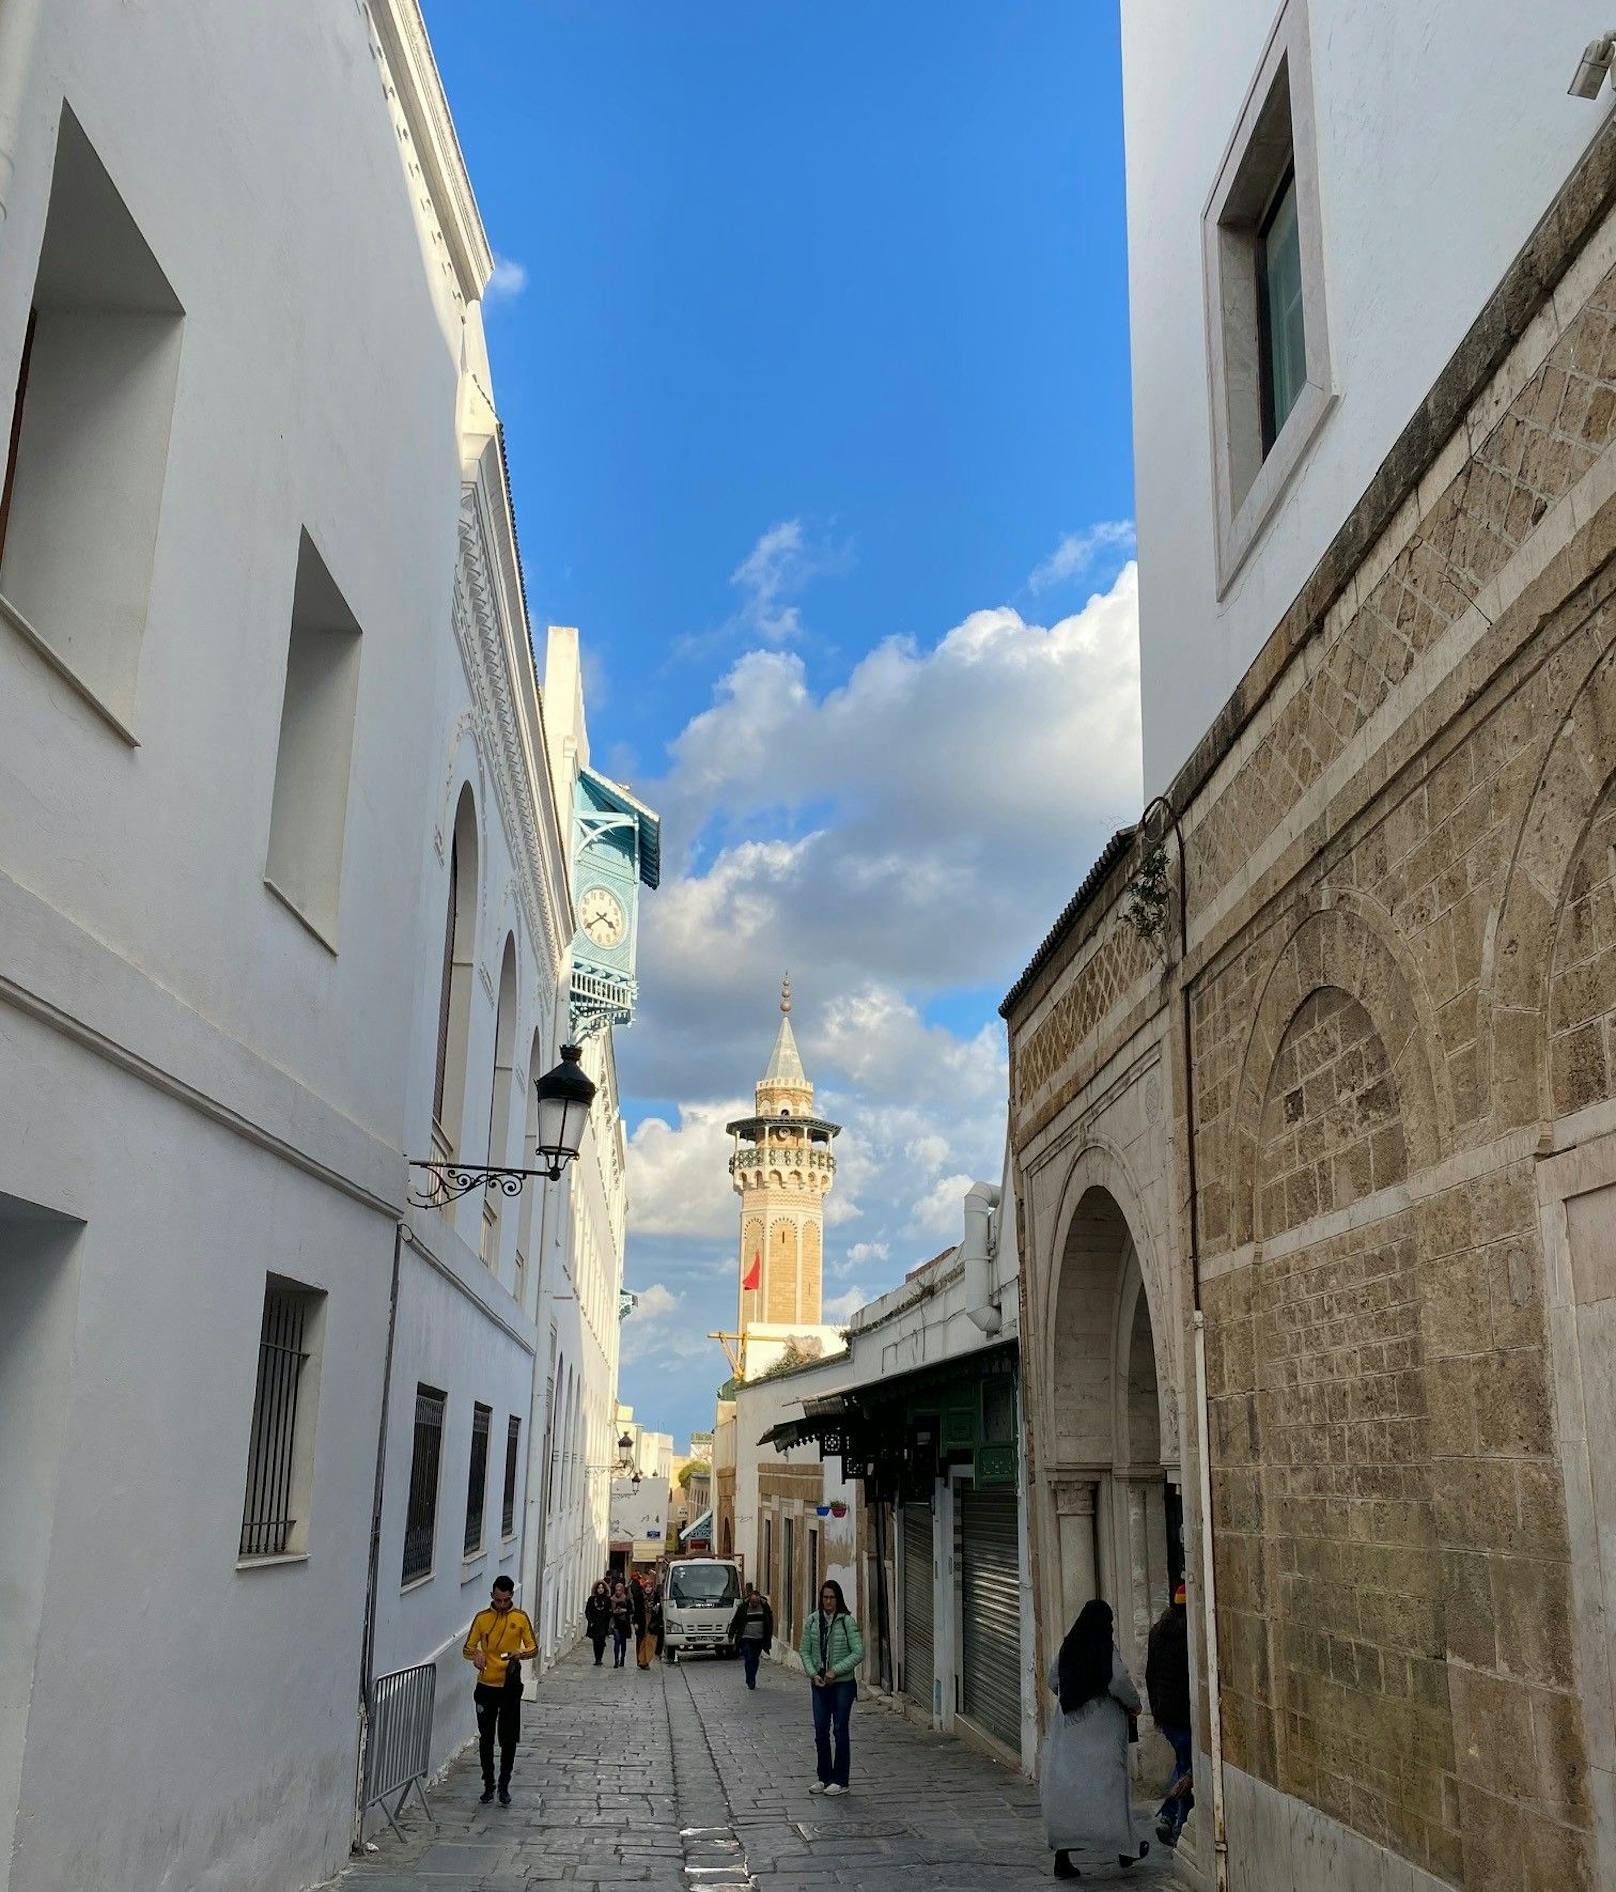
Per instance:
x=644, y=1628
x=831, y=1650
x=751, y=1629
x=499, y=1641
x=1167, y=1684
x=598, y=1619
x=622, y=1623
x=1084, y=1775
x=657, y=1600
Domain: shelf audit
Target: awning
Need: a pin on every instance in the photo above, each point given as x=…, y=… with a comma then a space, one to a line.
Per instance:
x=823, y=1421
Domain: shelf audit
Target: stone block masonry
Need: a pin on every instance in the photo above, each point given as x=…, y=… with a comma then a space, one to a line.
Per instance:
x=1401, y=867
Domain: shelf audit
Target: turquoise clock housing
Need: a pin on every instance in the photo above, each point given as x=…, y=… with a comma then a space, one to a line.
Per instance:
x=617, y=846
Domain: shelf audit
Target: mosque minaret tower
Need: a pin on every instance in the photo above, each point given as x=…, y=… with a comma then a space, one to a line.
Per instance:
x=782, y=1168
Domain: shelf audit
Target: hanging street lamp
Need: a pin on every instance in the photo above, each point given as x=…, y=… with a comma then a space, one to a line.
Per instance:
x=564, y=1097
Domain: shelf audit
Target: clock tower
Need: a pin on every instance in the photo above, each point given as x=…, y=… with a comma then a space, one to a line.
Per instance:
x=782, y=1169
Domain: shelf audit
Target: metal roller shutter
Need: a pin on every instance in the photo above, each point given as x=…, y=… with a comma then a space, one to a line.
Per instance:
x=917, y=1632
x=992, y=1604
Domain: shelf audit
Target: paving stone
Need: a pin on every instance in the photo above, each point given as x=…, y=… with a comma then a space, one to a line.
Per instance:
x=685, y=1781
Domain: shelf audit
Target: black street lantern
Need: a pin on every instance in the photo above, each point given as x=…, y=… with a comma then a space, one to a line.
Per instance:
x=625, y=1458
x=565, y=1095
x=564, y=1098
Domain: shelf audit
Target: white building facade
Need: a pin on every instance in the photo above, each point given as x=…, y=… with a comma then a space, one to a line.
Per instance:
x=285, y=902
x=893, y=1468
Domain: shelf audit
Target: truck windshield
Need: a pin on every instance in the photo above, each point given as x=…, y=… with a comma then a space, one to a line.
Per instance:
x=704, y=1583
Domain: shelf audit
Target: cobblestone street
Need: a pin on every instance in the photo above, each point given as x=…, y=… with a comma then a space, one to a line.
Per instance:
x=678, y=1779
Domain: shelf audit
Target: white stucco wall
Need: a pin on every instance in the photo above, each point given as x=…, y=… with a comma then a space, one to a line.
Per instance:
x=195, y=1091
x=1443, y=131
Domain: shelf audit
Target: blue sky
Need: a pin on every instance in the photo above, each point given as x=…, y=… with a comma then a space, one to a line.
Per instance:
x=810, y=341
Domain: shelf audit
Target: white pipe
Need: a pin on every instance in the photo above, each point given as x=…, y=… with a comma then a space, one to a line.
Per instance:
x=1209, y=1617
x=981, y=1199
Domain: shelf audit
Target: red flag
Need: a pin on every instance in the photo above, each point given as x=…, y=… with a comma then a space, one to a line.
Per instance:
x=754, y=1275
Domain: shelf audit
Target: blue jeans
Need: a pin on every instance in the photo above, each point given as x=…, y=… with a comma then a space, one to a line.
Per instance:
x=833, y=1708
x=1175, y=1809
x=751, y=1656
x=619, y=1646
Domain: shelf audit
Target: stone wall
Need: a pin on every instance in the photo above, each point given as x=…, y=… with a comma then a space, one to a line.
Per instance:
x=1402, y=968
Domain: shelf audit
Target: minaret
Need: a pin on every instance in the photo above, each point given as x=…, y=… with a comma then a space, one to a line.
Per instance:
x=782, y=1167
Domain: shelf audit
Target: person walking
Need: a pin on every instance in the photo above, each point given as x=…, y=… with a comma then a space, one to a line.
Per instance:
x=622, y=1623
x=598, y=1619
x=656, y=1619
x=644, y=1634
x=499, y=1641
x=751, y=1629
x=831, y=1650
x=1084, y=1775
x=1167, y=1687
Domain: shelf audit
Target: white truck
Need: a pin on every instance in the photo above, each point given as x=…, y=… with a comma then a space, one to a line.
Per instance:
x=698, y=1605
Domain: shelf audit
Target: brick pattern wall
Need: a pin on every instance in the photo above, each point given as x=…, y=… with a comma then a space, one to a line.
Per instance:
x=1539, y=447
x=1582, y=992
x=1331, y=1131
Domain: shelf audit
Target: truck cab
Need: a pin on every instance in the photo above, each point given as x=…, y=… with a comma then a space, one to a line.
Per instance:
x=698, y=1605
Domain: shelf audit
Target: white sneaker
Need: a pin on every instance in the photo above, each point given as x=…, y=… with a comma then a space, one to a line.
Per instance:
x=832, y=1788
x=819, y=1787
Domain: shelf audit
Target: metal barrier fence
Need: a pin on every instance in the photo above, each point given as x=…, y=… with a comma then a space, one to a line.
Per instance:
x=399, y=1742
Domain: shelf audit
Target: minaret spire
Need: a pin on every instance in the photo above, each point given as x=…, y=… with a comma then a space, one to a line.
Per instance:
x=782, y=1169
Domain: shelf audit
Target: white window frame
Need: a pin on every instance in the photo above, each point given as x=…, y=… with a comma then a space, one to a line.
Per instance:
x=1247, y=484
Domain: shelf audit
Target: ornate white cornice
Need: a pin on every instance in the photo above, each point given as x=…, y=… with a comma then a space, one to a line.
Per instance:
x=492, y=635
x=431, y=149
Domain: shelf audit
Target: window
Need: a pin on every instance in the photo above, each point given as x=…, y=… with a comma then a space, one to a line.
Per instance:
x=280, y=1451
x=309, y=813
x=1266, y=333
x=477, y=1478
x=1281, y=320
x=788, y=1580
x=421, y=1516
x=88, y=439
x=768, y=1556
x=507, y=1506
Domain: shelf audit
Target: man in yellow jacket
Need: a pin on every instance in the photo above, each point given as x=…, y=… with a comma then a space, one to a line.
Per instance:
x=499, y=1641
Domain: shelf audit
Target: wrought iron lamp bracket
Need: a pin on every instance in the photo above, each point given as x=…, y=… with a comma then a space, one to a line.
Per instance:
x=448, y=1182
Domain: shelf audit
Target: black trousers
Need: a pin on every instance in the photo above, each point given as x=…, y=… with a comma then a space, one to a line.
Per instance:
x=499, y=1710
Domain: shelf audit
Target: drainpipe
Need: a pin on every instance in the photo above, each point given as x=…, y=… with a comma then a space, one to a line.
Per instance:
x=19, y=29
x=981, y=1199
x=367, y=1641
x=1209, y=1620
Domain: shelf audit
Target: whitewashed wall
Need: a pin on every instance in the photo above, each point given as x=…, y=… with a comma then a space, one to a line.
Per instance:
x=1444, y=130
x=194, y=1089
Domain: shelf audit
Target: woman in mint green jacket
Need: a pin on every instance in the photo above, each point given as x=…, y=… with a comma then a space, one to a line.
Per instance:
x=831, y=1651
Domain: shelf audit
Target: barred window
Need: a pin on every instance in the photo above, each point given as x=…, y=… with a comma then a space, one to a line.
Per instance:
x=507, y=1509
x=280, y=1453
x=477, y=1477
x=421, y=1518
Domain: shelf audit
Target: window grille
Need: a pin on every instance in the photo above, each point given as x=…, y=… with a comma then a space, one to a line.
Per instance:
x=477, y=1477
x=421, y=1518
x=266, y=1520
x=507, y=1509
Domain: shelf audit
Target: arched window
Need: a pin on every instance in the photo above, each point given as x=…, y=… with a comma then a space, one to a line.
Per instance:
x=499, y=1106
x=454, y=999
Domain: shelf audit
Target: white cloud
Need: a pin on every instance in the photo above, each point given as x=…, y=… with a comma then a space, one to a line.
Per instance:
x=901, y=840
x=1077, y=551
x=507, y=282
x=775, y=568
x=655, y=1302
x=844, y=1306
x=678, y=1177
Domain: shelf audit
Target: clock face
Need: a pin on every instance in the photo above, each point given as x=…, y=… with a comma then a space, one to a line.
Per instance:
x=601, y=916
